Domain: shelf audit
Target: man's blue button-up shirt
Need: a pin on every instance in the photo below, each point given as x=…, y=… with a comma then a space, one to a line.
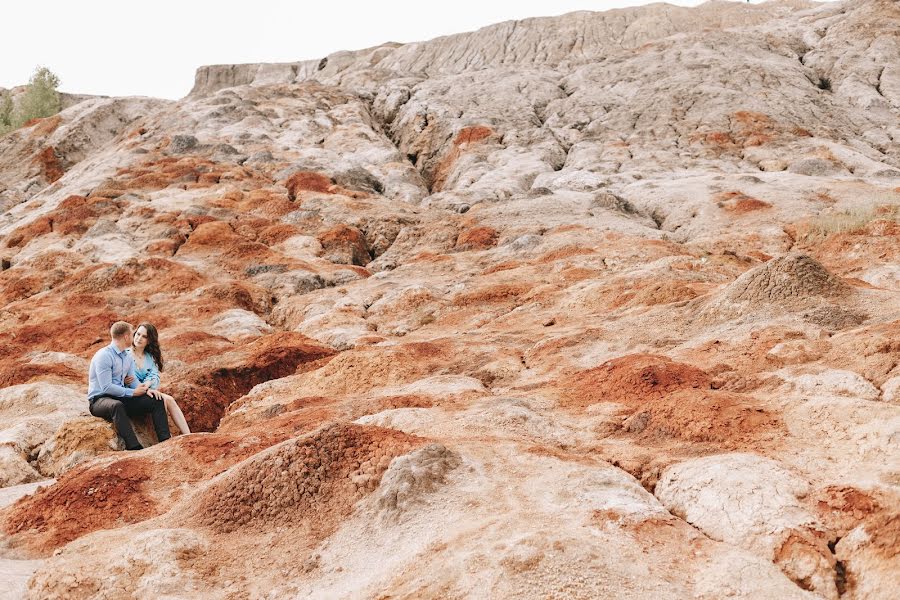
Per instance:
x=108, y=370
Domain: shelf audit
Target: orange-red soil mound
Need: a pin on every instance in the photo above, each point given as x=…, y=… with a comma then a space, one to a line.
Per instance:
x=345, y=245
x=308, y=181
x=311, y=481
x=74, y=216
x=653, y=293
x=739, y=203
x=493, y=294
x=842, y=508
x=49, y=162
x=132, y=489
x=85, y=500
x=26, y=372
x=477, y=238
x=80, y=332
x=157, y=273
x=468, y=135
x=725, y=419
x=631, y=379
x=190, y=172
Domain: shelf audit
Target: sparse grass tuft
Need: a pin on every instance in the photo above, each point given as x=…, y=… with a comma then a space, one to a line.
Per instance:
x=850, y=220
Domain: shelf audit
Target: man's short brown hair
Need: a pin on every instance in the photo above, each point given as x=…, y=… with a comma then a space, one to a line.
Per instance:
x=120, y=329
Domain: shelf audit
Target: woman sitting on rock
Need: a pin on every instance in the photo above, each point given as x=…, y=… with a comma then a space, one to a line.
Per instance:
x=148, y=363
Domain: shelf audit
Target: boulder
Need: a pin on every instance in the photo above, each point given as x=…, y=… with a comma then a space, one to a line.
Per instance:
x=76, y=440
x=753, y=502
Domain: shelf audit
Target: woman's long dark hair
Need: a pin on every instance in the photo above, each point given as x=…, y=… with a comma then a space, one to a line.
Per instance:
x=153, y=344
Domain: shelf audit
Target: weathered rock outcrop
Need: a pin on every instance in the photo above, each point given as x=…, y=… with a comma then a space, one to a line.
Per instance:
x=598, y=305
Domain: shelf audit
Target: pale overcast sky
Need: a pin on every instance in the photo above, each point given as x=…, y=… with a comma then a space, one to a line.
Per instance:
x=126, y=47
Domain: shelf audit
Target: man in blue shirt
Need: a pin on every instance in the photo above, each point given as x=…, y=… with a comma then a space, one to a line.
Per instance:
x=114, y=393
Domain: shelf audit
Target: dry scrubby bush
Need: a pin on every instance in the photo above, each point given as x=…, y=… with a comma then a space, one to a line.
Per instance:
x=39, y=100
x=852, y=219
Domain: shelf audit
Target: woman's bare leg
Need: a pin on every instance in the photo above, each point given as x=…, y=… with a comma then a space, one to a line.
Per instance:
x=176, y=414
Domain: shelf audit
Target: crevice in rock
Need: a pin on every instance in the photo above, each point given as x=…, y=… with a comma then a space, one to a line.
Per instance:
x=840, y=569
x=385, y=126
x=878, y=82
x=562, y=146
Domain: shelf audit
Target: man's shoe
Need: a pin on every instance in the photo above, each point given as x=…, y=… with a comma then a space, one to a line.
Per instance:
x=138, y=447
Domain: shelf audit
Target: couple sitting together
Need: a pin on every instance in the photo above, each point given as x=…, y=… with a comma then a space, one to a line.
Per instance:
x=123, y=382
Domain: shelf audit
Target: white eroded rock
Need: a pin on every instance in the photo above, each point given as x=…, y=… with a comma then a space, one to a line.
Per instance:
x=743, y=499
x=14, y=468
x=872, y=564
x=237, y=324
x=890, y=390
x=752, y=502
x=438, y=385
x=411, y=476
x=29, y=415
x=830, y=382
x=150, y=563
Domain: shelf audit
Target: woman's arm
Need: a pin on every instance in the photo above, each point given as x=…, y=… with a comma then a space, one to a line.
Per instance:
x=152, y=372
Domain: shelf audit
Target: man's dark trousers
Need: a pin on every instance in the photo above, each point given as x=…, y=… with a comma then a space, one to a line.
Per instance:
x=117, y=409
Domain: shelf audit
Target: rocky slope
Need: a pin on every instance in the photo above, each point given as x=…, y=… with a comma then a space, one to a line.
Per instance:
x=600, y=305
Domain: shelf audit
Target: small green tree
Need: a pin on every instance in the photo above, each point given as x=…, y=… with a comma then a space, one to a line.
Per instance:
x=6, y=113
x=40, y=98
